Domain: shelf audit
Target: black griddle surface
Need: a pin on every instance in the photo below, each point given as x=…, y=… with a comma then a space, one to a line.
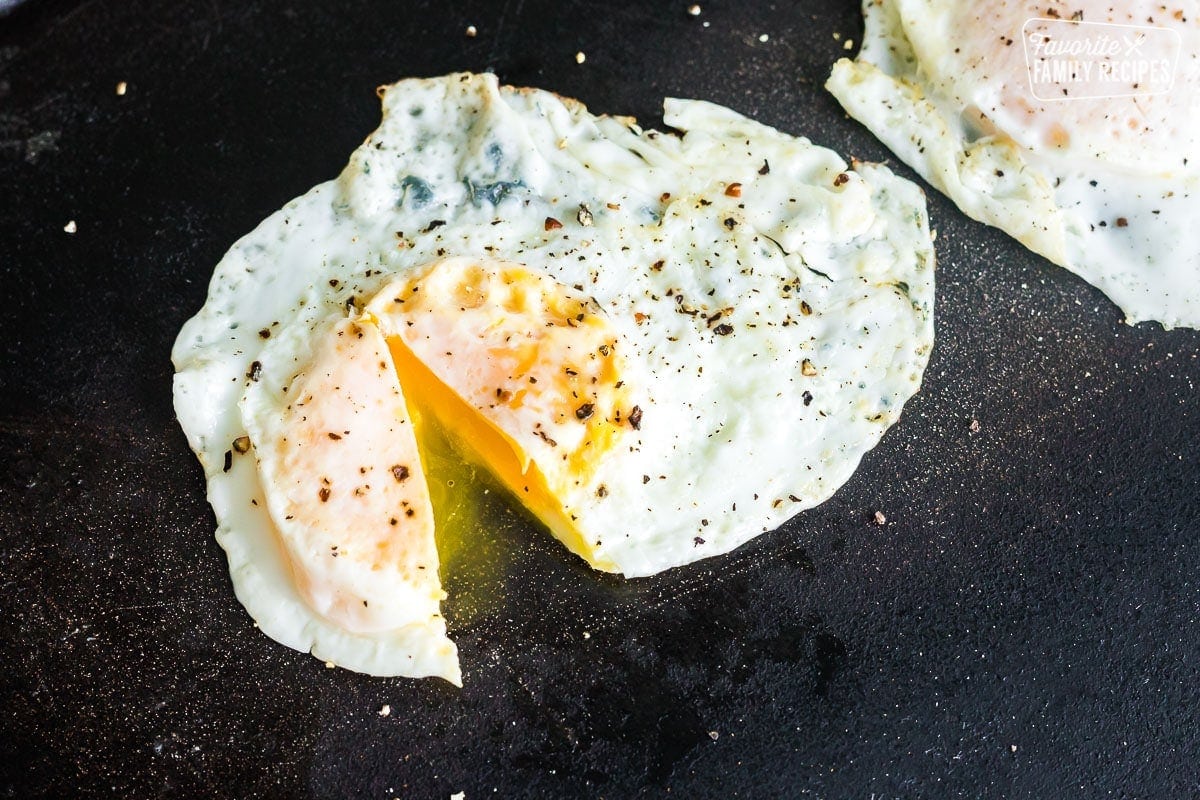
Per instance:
x=1024, y=625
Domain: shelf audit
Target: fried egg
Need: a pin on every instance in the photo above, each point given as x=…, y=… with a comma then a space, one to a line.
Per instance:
x=1072, y=126
x=660, y=345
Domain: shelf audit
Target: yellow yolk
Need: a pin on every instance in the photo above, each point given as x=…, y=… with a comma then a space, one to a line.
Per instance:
x=521, y=372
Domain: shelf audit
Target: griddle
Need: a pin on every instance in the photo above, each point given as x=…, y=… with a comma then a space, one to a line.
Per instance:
x=1023, y=625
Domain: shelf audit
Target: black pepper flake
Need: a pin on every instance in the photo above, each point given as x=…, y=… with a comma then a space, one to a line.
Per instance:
x=434, y=225
x=645, y=479
x=337, y=437
x=323, y=493
x=807, y=397
x=1122, y=222
x=605, y=349
x=584, y=216
x=409, y=513
x=228, y=461
x=724, y=329
x=805, y=308
x=730, y=223
x=765, y=169
x=697, y=541
x=265, y=333
x=602, y=491
x=635, y=418
x=255, y=371
x=400, y=473
x=585, y=411
x=552, y=224
x=241, y=444
x=841, y=179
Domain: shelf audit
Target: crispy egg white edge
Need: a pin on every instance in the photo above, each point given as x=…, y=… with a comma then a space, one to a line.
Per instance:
x=1064, y=211
x=279, y=272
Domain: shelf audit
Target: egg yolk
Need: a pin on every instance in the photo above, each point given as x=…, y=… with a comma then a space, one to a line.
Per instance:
x=520, y=372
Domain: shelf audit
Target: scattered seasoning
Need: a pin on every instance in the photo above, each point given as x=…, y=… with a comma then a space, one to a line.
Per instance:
x=880, y=519
x=70, y=227
x=645, y=479
x=635, y=418
x=585, y=411
x=1122, y=222
x=807, y=369
x=763, y=37
x=323, y=493
x=584, y=216
x=849, y=44
x=602, y=491
x=730, y=223
x=605, y=350
x=122, y=87
x=580, y=57
x=471, y=32
x=613, y=206
x=400, y=473
x=255, y=370
x=765, y=169
x=552, y=224
x=974, y=426
x=228, y=461
x=386, y=710
x=713, y=735
x=733, y=190
x=433, y=225
x=241, y=444
x=694, y=10
x=697, y=541
x=724, y=329
x=805, y=308
x=841, y=178
x=337, y=437
x=807, y=397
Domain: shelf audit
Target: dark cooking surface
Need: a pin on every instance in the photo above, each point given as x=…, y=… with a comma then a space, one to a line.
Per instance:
x=1025, y=625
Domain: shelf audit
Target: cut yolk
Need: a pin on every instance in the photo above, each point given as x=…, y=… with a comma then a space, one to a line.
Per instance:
x=523, y=374
x=519, y=372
